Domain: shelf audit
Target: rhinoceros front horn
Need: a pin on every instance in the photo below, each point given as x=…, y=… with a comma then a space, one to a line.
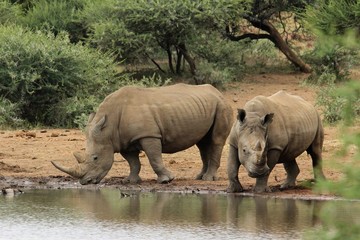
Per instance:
x=75, y=172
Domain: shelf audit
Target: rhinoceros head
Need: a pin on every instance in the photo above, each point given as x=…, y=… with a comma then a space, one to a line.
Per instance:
x=252, y=142
x=99, y=154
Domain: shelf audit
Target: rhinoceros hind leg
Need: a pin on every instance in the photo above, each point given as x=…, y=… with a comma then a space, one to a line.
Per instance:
x=292, y=170
x=316, y=155
x=152, y=148
x=210, y=156
x=315, y=151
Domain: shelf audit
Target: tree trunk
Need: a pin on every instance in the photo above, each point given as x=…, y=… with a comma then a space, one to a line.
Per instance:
x=280, y=43
x=168, y=50
x=178, y=61
x=188, y=58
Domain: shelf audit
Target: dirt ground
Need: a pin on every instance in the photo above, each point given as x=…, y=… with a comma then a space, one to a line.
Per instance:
x=25, y=155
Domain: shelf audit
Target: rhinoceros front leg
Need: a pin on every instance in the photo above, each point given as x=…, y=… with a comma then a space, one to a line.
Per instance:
x=134, y=162
x=153, y=149
x=233, y=165
x=262, y=182
x=292, y=171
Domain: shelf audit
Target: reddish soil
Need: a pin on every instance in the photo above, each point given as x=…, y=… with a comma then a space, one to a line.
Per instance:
x=25, y=155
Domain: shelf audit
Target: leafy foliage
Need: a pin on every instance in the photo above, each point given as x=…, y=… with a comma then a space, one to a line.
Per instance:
x=349, y=185
x=9, y=13
x=172, y=24
x=333, y=17
x=57, y=16
x=40, y=72
x=336, y=28
x=9, y=114
x=107, y=31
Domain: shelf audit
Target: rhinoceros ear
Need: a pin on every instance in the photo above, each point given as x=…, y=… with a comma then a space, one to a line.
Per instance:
x=267, y=119
x=241, y=115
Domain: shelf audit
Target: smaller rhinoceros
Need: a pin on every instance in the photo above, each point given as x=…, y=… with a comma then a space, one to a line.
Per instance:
x=271, y=130
x=154, y=120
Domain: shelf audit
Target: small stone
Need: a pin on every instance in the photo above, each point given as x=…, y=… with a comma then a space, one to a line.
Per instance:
x=30, y=134
x=54, y=135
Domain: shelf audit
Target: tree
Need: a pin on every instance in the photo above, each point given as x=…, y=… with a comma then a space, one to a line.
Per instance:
x=171, y=24
x=262, y=15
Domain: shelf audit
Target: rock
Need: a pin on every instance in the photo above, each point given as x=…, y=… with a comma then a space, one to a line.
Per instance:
x=30, y=134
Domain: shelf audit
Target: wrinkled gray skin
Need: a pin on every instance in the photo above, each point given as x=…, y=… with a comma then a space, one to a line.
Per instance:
x=154, y=120
x=271, y=130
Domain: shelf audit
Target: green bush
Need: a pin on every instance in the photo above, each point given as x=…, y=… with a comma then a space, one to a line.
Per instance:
x=9, y=13
x=332, y=60
x=43, y=73
x=331, y=103
x=349, y=185
x=9, y=113
x=57, y=16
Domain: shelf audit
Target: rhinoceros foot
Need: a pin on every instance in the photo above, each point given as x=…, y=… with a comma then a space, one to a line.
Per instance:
x=234, y=187
x=261, y=189
x=165, y=179
x=205, y=177
x=287, y=185
x=208, y=177
x=131, y=180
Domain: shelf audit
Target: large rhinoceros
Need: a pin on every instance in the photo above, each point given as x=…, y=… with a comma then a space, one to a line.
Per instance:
x=271, y=130
x=154, y=120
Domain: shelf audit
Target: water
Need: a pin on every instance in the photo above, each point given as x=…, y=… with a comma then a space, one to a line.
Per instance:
x=107, y=214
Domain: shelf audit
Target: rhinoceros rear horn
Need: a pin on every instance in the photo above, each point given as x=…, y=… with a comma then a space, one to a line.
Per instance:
x=258, y=146
x=75, y=172
x=79, y=157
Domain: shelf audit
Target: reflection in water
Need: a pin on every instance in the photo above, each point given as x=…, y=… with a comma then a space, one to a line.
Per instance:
x=105, y=214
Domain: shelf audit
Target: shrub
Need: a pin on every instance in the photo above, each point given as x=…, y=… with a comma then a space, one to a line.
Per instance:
x=333, y=60
x=331, y=103
x=9, y=13
x=9, y=114
x=57, y=16
x=43, y=73
x=349, y=185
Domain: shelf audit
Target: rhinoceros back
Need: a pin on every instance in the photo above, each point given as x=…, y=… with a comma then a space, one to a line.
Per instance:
x=181, y=115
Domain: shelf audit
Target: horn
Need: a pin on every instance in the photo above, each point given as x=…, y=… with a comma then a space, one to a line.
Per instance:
x=79, y=157
x=258, y=146
x=75, y=172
